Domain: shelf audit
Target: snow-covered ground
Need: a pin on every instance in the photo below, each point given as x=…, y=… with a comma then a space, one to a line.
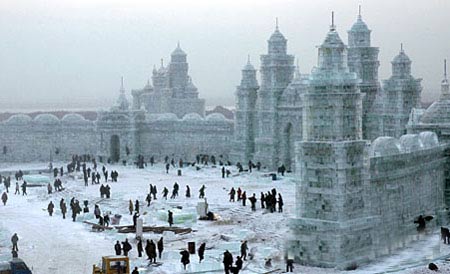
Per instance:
x=54, y=245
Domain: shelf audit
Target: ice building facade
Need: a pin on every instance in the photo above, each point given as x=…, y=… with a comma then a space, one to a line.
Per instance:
x=165, y=120
x=356, y=199
x=173, y=90
x=269, y=116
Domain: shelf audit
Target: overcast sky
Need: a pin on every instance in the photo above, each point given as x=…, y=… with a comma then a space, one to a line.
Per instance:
x=59, y=54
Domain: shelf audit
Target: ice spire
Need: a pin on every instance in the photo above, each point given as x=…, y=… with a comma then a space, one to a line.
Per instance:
x=122, y=89
x=333, y=26
x=162, y=62
x=297, y=70
x=276, y=23
x=444, y=84
x=122, y=101
x=249, y=65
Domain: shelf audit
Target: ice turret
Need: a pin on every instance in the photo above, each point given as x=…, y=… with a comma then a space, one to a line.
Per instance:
x=277, y=42
x=122, y=101
x=401, y=64
x=359, y=34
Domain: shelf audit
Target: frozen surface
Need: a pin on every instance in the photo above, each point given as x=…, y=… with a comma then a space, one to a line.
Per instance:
x=54, y=245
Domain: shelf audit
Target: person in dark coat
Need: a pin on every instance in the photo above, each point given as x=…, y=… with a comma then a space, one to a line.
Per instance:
x=106, y=219
x=170, y=218
x=223, y=172
x=185, y=258
x=14, y=240
x=126, y=247
x=244, y=198
x=165, y=192
x=152, y=251
x=135, y=271
x=280, y=203
x=154, y=192
x=289, y=265
x=50, y=208
x=148, y=199
x=262, y=199
x=253, y=201
x=24, y=188
x=4, y=198
x=232, y=194
x=97, y=212
x=227, y=261
x=63, y=207
x=244, y=249
x=160, y=246
x=202, y=192
x=140, y=249
x=201, y=252
x=147, y=249
x=167, y=168
x=188, y=192
x=135, y=217
x=118, y=248
x=136, y=206
x=239, y=263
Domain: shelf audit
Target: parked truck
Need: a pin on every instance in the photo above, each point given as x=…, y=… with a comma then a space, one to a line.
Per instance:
x=112, y=265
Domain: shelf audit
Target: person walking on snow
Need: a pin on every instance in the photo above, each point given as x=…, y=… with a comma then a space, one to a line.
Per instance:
x=4, y=198
x=17, y=189
x=170, y=218
x=14, y=241
x=160, y=247
x=50, y=208
x=63, y=207
x=244, y=249
x=202, y=192
x=126, y=247
x=185, y=258
x=201, y=252
x=130, y=207
x=118, y=248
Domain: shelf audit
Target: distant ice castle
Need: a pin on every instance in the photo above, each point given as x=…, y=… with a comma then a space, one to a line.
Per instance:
x=368, y=159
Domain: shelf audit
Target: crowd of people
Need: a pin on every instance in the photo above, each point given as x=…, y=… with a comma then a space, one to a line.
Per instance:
x=271, y=201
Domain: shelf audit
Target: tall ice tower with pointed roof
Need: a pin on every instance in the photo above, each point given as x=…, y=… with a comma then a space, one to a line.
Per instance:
x=401, y=93
x=277, y=71
x=332, y=166
x=363, y=60
x=245, y=115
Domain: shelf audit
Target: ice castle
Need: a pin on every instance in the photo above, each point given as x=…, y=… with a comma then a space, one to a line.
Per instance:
x=367, y=158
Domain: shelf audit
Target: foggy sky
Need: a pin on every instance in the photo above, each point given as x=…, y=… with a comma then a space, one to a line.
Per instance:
x=60, y=54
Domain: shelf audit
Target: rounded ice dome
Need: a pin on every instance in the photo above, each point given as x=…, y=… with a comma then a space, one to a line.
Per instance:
x=216, y=117
x=410, y=142
x=19, y=119
x=46, y=119
x=429, y=139
x=73, y=118
x=192, y=117
x=384, y=146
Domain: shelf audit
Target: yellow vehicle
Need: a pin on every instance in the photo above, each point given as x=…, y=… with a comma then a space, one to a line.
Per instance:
x=113, y=265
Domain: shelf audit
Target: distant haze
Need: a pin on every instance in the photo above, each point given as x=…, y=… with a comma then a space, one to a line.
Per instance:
x=60, y=54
